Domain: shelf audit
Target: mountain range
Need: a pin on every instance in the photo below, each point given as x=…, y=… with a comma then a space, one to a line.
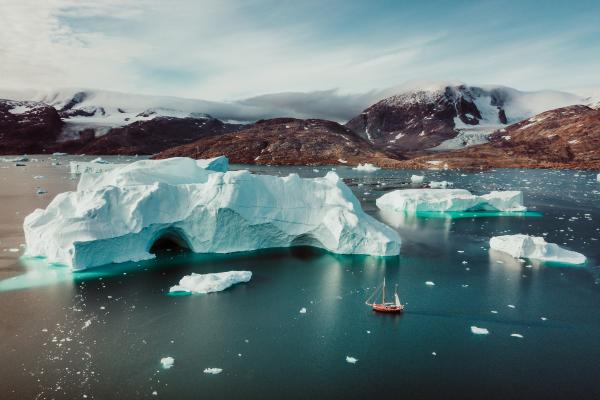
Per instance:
x=406, y=127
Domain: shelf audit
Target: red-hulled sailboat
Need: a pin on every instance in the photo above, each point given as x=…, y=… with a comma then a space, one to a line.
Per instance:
x=395, y=308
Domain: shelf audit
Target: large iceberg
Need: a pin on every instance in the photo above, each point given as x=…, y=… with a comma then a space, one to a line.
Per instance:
x=415, y=200
x=536, y=248
x=118, y=215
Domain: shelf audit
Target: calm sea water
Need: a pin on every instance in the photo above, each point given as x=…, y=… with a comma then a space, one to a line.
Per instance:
x=102, y=334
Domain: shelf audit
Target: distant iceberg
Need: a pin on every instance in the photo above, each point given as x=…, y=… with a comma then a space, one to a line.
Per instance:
x=118, y=215
x=209, y=283
x=536, y=248
x=415, y=200
x=366, y=167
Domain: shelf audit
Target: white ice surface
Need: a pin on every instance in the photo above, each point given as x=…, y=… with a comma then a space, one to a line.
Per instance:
x=536, y=248
x=479, y=331
x=117, y=216
x=417, y=178
x=208, y=283
x=414, y=200
x=167, y=362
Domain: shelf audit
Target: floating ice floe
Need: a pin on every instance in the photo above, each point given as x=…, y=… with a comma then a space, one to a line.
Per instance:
x=536, y=248
x=118, y=215
x=303, y=310
x=167, y=362
x=366, y=167
x=415, y=200
x=517, y=335
x=440, y=185
x=430, y=283
x=208, y=283
x=213, y=371
x=479, y=331
x=95, y=166
x=417, y=178
x=351, y=360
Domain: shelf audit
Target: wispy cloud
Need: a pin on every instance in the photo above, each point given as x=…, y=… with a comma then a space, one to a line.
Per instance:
x=232, y=49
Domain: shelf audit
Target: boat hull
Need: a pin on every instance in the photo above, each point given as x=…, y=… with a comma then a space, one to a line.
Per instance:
x=389, y=309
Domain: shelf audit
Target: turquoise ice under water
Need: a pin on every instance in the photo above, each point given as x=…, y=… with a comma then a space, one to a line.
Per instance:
x=103, y=332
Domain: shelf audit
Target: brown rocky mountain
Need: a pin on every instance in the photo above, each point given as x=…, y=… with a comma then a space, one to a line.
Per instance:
x=288, y=141
x=27, y=127
x=422, y=119
x=150, y=136
x=567, y=137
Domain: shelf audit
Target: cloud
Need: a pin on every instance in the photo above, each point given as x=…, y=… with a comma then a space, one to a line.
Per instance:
x=231, y=49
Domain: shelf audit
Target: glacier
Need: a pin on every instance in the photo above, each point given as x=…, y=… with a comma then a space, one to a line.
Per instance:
x=118, y=215
x=416, y=200
x=536, y=248
x=208, y=283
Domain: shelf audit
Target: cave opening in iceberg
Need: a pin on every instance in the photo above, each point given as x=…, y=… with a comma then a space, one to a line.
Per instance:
x=172, y=239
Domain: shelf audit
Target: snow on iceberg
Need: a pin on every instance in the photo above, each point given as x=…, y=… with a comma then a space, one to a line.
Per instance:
x=208, y=283
x=535, y=247
x=414, y=200
x=366, y=167
x=118, y=215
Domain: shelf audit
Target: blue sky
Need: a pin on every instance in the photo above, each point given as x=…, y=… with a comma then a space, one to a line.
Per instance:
x=232, y=49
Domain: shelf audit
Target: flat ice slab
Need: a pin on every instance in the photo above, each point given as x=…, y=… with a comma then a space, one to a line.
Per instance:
x=536, y=248
x=208, y=283
x=414, y=200
x=118, y=215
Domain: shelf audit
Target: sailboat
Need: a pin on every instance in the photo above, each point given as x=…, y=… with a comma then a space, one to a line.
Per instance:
x=395, y=307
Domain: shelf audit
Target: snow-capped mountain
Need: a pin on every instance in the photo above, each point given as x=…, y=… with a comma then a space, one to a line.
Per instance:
x=444, y=117
x=25, y=126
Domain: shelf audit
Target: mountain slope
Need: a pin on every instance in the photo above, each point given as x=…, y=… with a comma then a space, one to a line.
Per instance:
x=444, y=117
x=149, y=137
x=567, y=137
x=287, y=141
x=27, y=127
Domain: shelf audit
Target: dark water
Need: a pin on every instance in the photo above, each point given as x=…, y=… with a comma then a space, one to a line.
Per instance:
x=268, y=349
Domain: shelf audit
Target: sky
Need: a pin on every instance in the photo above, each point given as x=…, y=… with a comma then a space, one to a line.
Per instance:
x=227, y=50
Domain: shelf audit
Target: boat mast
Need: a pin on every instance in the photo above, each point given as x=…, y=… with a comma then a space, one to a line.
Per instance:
x=383, y=292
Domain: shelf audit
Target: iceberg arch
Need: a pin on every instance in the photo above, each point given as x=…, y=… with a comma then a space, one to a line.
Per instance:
x=169, y=238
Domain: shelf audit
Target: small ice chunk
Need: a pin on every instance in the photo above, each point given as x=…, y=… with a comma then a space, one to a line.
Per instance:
x=517, y=335
x=479, y=331
x=366, y=167
x=440, y=185
x=430, y=283
x=208, y=283
x=213, y=371
x=511, y=306
x=417, y=178
x=167, y=362
x=351, y=360
x=303, y=310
